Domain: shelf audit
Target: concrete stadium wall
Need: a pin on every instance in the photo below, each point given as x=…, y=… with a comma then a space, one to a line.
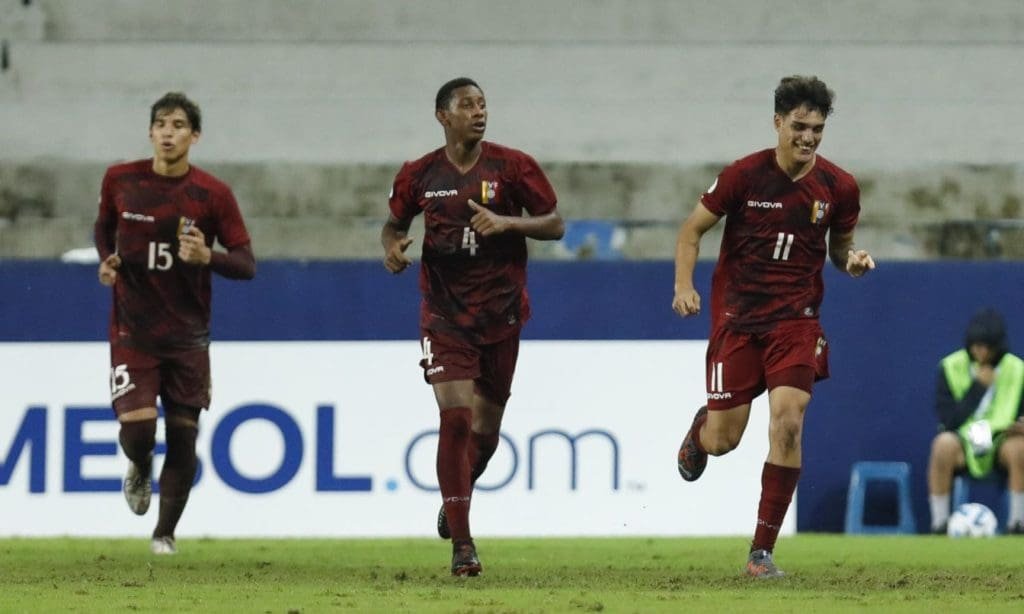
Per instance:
x=535, y=20
x=644, y=81
x=683, y=103
x=309, y=106
x=318, y=211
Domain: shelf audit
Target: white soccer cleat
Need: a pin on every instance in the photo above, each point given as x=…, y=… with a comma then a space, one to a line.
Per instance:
x=163, y=545
x=138, y=490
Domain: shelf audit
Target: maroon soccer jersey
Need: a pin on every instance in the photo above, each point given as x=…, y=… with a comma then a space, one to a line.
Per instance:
x=159, y=301
x=472, y=285
x=773, y=248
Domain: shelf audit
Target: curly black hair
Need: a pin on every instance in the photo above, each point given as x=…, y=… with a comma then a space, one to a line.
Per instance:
x=798, y=90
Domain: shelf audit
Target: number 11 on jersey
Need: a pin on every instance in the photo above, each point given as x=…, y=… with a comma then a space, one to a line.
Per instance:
x=782, y=246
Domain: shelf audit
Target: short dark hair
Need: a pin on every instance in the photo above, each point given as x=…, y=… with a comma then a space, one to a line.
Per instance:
x=797, y=90
x=176, y=100
x=444, y=95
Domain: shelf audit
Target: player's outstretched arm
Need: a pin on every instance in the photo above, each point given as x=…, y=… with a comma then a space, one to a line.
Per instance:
x=686, y=300
x=846, y=257
x=395, y=241
x=547, y=227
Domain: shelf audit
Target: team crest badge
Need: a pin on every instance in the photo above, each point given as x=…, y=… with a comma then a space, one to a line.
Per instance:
x=819, y=210
x=488, y=191
x=185, y=225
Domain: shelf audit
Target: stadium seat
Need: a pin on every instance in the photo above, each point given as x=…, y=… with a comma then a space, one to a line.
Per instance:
x=594, y=239
x=962, y=494
x=860, y=475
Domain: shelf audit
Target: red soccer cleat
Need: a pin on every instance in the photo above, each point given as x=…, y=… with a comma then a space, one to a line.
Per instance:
x=691, y=461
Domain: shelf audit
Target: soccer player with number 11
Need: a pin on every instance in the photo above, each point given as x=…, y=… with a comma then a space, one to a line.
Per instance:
x=779, y=205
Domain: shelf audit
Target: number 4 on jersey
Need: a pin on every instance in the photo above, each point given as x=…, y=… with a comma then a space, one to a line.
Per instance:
x=469, y=240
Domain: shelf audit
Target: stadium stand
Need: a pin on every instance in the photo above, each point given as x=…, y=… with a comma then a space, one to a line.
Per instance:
x=633, y=106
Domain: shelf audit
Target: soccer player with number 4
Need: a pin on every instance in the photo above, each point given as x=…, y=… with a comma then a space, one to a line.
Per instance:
x=473, y=280
x=157, y=222
x=766, y=290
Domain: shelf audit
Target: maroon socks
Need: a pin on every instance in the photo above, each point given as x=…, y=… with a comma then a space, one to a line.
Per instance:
x=777, y=487
x=453, y=468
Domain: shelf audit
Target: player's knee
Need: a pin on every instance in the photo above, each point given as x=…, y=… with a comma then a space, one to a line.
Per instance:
x=138, y=438
x=1012, y=450
x=945, y=446
x=718, y=443
x=182, y=425
x=182, y=435
x=181, y=450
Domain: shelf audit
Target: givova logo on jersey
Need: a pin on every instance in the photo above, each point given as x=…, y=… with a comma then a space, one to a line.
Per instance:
x=763, y=204
x=440, y=193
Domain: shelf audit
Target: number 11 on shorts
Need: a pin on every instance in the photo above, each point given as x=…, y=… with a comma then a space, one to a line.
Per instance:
x=715, y=384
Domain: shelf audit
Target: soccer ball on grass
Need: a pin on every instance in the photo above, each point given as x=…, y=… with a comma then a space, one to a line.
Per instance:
x=972, y=520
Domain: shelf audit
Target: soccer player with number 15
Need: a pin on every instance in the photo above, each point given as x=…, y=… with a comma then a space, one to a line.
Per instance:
x=158, y=219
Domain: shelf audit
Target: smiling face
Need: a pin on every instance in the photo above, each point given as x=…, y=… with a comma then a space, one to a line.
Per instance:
x=800, y=133
x=465, y=118
x=172, y=135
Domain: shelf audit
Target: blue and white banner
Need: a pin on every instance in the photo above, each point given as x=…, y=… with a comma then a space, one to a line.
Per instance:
x=338, y=438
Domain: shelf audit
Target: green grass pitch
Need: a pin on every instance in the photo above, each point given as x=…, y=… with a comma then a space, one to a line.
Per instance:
x=826, y=573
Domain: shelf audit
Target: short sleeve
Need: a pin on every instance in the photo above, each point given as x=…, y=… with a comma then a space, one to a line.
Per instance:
x=534, y=191
x=401, y=200
x=724, y=195
x=848, y=210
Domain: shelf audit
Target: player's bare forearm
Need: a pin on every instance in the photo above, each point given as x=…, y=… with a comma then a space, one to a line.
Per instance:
x=839, y=247
x=547, y=227
x=685, y=299
x=846, y=257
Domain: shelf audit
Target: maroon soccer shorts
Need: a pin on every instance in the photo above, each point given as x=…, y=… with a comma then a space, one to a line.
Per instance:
x=136, y=378
x=740, y=366
x=447, y=358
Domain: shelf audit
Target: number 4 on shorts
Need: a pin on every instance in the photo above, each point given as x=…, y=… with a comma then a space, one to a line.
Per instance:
x=428, y=356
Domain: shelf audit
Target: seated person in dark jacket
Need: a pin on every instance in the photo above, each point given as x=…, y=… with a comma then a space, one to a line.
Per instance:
x=978, y=400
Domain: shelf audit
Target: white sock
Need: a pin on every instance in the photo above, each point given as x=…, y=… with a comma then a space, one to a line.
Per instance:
x=940, y=509
x=1016, y=508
